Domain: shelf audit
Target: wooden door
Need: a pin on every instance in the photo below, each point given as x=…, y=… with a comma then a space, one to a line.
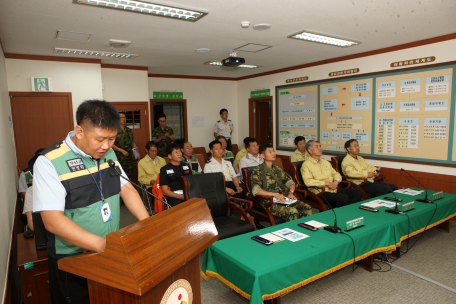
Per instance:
x=138, y=121
x=262, y=118
x=156, y=108
x=39, y=121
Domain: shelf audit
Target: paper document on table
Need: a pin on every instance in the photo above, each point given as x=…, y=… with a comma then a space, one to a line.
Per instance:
x=287, y=202
x=409, y=191
x=290, y=234
x=315, y=224
x=379, y=203
x=272, y=238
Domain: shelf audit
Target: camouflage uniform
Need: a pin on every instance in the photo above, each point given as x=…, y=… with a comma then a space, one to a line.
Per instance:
x=125, y=140
x=162, y=144
x=258, y=183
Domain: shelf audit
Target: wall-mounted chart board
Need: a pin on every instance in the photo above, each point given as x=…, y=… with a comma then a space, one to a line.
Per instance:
x=297, y=114
x=407, y=114
x=346, y=112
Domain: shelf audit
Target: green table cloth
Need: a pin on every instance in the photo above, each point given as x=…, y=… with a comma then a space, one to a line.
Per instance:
x=260, y=272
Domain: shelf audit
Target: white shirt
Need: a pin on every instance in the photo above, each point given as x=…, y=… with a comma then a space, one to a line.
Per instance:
x=153, y=160
x=22, y=183
x=224, y=129
x=250, y=161
x=28, y=202
x=225, y=167
x=49, y=193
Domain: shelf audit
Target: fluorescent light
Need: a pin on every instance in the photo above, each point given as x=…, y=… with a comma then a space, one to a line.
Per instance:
x=95, y=53
x=325, y=39
x=218, y=63
x=147, y=8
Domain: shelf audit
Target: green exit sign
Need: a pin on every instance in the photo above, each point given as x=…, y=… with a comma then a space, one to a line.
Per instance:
x=260, y=93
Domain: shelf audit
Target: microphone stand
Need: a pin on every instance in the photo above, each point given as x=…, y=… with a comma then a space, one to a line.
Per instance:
x=390, y=210
x=334, y=228
x=425, y=199
x=112, y=164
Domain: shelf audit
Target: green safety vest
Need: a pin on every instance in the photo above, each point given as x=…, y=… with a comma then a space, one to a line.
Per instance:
x=193, y=163
x=83, y=199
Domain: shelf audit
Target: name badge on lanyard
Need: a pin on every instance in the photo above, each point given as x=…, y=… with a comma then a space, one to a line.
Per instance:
x=106, y=212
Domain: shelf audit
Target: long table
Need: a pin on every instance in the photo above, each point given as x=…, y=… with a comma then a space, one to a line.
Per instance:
x=260, y=272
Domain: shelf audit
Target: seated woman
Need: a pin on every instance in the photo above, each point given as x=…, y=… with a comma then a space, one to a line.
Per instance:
x=271, y=181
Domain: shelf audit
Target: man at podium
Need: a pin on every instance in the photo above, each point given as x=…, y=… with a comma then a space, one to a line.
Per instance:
x=78, y=195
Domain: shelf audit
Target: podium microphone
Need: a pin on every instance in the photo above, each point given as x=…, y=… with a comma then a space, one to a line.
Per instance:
x=112, y=164
x=390, y=210
x=425, y=199
x=333, y=229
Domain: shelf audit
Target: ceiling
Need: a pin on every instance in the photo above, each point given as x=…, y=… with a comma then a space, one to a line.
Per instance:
x=167, y=46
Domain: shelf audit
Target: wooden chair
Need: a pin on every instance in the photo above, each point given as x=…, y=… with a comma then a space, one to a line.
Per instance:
x=235, y=149
x=278, y=162
x=202, y=151
x=167, y=160
x=336, y=163
x=201, y=160
x=259, y=210
x=211, y=186
x=316, y=202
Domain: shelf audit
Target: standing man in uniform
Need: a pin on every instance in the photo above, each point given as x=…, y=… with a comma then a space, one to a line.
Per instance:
x=301, y=154
x=271, y=181
x=124, y=145
x=163, y=136
x=78, y=195
x=187, y=158
x=224, y=127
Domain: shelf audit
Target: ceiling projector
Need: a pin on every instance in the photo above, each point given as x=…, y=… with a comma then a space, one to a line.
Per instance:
x=233, y=60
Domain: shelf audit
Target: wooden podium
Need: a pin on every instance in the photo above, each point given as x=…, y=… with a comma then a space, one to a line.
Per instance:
x=141, y=261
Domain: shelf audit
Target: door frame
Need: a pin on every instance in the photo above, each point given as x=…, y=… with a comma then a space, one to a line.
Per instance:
x=184, y=107
x=40, y=94
x=141, y=103
x=251, y=124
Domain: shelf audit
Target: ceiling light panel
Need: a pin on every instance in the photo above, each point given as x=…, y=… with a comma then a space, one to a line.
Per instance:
x=252, y=48
x=325, y=39
x=95, y=53
x=72, y=36
x=218, y=63
x=147, y=8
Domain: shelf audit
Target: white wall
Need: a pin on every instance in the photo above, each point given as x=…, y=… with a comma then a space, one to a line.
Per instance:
x=82, y=80
x=204, y=98
x=124, y=85
x=443, y=51
x=8, y=177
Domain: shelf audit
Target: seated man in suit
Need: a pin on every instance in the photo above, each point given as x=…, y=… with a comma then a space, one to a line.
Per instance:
x=355, y=166
x=241, y=153
x=149, y=167
x=317, y=171
x=218, y=164
x=269, y=180
x=187, y=158
x=170, y=175
x=301, y=153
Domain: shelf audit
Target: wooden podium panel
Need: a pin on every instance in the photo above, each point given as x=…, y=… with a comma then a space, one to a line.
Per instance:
x=142, y=260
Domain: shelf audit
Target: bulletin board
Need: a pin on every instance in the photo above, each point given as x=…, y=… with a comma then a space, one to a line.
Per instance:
x=297, y=114
x=406, y=114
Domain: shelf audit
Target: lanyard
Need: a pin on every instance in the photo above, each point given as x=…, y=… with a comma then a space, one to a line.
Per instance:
x=100, y=188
